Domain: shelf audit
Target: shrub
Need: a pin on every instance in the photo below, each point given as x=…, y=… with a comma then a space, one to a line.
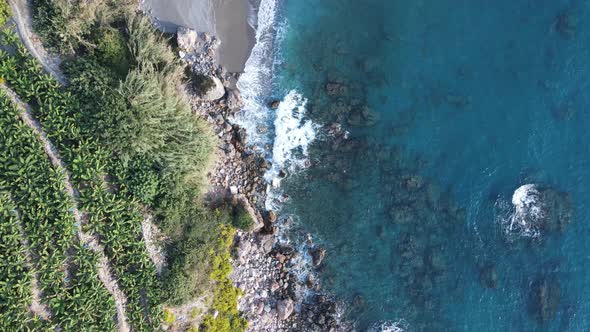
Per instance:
x=112, y=51
x=5, y=12
x=242, y=219
x=192, y=254
x=169, y=317
x=140, y=178
x=195, y=313
x=201, y=83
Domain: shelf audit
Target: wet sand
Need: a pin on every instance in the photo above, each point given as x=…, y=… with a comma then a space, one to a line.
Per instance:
x=227, y=19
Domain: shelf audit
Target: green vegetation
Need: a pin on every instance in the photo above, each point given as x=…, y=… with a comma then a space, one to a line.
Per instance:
x=226, y=295
x=112, y=51
x=15, y=290
x=5, y=12
x=241, y=219
x=66, y=271
x=169, y=317
x=113, y=216
x=127, y=135
x=201, y=83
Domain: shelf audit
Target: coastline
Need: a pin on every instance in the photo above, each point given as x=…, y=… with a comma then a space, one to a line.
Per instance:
x=226, y=19
x=281, y=289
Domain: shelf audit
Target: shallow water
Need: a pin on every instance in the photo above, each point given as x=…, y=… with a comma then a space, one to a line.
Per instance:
x=455, y=105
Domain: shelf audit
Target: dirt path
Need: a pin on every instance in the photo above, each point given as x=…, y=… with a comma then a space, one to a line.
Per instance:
x=21, y=15
x=91, y=241
x=150, y=235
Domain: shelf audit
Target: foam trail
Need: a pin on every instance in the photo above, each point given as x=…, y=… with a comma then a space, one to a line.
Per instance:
x=255, y=84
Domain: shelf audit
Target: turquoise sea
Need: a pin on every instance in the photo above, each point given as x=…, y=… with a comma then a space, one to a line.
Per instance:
x=450, y=107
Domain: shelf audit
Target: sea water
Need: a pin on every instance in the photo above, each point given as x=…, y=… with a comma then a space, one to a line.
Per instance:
x=455, y=196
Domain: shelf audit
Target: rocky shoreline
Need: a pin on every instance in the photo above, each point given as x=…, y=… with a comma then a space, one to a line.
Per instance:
x=281, y=291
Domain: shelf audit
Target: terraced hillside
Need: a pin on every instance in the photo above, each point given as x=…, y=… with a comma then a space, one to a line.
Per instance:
x=79, y=174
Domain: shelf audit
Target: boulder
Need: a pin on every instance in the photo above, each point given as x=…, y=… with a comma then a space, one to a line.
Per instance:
x=217, y=90
x=284, y=309
x=272, y=216
x=234, y=99
x=267, y=242
x=275, y=104
x=318, y=255
x=187, y=39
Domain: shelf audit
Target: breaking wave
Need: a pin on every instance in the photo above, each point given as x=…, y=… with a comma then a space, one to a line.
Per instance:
x=389, y=326
x=526, y=214
x=255, y=84
x=293, y=134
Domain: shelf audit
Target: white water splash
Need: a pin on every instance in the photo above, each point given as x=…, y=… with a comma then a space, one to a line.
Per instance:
x=389, y=326
x=255, y=84
x=526, y=213
x=293, y=135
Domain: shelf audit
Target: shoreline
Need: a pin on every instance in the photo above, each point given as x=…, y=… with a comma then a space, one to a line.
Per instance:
x=279, y=280
x=226, y=19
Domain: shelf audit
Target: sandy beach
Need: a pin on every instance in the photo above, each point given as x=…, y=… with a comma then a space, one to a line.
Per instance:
x=227, y=19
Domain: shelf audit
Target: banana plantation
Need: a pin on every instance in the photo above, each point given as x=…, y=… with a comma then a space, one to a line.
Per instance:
x=37, y=217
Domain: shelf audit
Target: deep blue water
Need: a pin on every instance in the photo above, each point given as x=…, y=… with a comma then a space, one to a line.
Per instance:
x=471, y=99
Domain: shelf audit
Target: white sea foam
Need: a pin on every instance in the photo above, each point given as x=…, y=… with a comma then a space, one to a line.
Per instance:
x=286, y=129
x=389, y=326
x=293, y=134
x=525, y=215
x=255, y=83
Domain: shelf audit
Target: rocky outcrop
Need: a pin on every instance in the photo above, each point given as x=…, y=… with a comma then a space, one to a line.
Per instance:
x=215, y=92
x=274, y=296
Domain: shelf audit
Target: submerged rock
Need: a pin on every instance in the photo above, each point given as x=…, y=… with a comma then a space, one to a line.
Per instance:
x=545, y=298
x=566, y=24
x=489, y=276
x=318, y=256
x=336, y=89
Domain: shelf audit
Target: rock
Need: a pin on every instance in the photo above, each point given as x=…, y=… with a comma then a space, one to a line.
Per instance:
x=274, y=286
x=566, y=24
x=234, y=100
x=311, y=282
x=489, y=276
x=260, y=308
x=336, y=89
x=267, y=242
x=281, y=258
x=233, y=190
x=318, y=255
x=187, y=38
x=284, y=309
x=402, y=214
x=217, y=91
x=275, y=104
x=272, y=216
x=545, y=299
